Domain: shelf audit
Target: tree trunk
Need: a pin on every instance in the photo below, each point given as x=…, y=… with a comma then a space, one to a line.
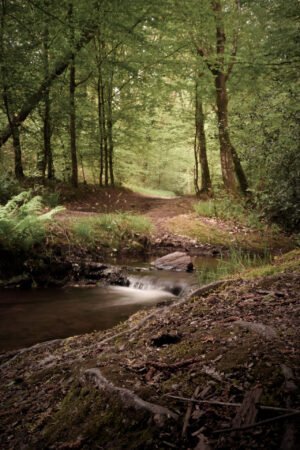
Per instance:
x=47, y=112
x=200, y=148
x=18, y=154
x=104, y=129
x=72, y=106
x=100, y=125
x=232, y=171
x=110, y=133
x=73, y=149
x=227, y=164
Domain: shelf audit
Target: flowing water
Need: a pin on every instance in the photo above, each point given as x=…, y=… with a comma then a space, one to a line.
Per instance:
x=31, y=316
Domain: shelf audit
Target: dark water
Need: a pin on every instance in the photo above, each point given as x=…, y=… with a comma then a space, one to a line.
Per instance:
x=31, y=316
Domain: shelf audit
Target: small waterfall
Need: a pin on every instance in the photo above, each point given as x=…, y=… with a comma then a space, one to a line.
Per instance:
x=154, y=282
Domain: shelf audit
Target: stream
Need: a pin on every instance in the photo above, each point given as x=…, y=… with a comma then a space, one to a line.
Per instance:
x=31, y=316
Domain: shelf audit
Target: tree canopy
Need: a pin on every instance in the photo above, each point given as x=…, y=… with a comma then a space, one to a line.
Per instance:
x=182, y=96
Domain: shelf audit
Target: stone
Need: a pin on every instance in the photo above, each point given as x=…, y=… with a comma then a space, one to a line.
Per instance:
x=177, y=261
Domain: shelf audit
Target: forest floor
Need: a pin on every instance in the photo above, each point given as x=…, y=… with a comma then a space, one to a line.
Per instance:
x=233, y=346
x=174, y=220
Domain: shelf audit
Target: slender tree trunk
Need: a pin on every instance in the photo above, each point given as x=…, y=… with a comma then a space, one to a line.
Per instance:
x=73, y=149
x=200, y=148
x=100, y=125
x=104, y=128
x=18, y=153
x=110, y=133
x=47, y=111
x=72, y=106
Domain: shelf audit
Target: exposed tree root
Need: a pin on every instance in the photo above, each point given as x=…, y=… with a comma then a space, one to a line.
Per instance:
x=129, y=398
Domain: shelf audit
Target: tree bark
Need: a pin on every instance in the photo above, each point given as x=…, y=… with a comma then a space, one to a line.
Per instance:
x=200, y=147
x=110, y=132
x=227, y=165
x=233, y=174
x=72, y=125
x=72, y=105
x=48, y=158
x=100, y=126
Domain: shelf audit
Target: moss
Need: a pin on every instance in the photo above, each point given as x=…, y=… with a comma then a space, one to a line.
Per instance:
x=100, y=420
x=289, y=261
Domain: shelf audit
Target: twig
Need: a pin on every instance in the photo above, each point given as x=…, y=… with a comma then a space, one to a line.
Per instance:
x=189, y=412
x=257, y=424
x=217, y=403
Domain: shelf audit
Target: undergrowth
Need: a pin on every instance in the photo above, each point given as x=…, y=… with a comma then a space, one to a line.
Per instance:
x=110, y=230
x=22, y=221
x=230, y=209
x=235, y=262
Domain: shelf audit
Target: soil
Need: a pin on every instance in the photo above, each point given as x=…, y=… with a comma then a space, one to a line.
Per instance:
x=229, y=346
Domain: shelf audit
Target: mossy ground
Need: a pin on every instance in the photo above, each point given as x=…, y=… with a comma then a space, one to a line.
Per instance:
x=58, y=409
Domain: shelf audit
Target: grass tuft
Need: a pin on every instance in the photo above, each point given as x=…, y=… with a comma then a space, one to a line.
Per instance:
x=110, y=230
x=235, y=263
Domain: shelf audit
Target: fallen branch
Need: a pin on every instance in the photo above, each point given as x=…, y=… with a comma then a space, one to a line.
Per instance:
x=217, y=403
x=257, y=424
x=129, y=398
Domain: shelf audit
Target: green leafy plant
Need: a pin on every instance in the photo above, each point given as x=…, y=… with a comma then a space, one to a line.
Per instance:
x=23, y=222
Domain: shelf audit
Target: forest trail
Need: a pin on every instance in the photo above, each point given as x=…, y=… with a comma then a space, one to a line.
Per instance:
x=93, y=200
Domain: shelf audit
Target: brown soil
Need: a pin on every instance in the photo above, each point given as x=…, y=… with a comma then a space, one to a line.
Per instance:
x=89, y=200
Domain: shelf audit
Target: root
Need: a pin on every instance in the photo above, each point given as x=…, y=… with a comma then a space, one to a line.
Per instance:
x=129, y=398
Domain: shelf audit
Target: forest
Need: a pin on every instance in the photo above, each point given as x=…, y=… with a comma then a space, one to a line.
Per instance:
x=149, y=224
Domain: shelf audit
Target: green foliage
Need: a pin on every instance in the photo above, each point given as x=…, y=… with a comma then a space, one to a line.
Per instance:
x=236, y=262
x=110, y=229
x=228, y=208
x=23, y=223
x=9, y=187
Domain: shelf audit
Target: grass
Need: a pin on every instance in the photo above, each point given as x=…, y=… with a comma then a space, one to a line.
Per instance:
x=230, y=209
x=237, y=262
x=216, y=234
x=250, y=266
x=150, y=191
x=110, y=230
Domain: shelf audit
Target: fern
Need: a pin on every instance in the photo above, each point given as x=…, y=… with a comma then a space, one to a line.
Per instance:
x=22, y=224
